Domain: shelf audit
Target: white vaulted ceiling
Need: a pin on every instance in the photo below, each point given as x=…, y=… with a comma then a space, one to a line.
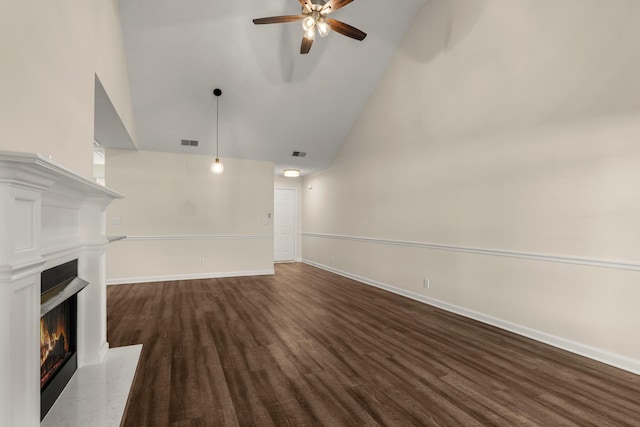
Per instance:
x=274, y=100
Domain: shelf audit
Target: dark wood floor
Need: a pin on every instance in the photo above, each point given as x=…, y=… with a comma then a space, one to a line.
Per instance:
x=306, y=347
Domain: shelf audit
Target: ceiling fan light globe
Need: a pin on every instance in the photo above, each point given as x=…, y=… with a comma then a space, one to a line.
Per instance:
x=308, y=23
x=323, y=28
x=310, y=34
x=217, y=167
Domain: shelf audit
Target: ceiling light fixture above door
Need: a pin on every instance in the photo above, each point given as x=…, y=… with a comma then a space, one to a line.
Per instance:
x=217, y=167
x=314, y=17
x=292, y=173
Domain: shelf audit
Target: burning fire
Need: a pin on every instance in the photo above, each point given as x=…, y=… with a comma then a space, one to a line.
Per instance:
x=54, y=345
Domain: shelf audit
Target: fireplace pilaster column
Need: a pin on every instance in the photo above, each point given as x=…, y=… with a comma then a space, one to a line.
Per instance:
x=92, y=307
x=20, y=268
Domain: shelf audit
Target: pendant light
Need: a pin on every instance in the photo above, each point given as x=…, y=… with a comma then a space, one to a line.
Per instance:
x=216, y=166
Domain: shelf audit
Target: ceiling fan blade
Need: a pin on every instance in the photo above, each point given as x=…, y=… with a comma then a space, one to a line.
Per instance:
x=305, y=47
x=333, y=5
x=306, y=4
x=346, y=29
x=278, y=19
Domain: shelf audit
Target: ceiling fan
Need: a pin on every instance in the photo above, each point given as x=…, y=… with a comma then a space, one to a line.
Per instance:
x=314, y=16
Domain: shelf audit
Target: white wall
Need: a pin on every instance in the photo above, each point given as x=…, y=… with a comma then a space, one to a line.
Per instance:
x=294, y=183
x=499, y=158
x=51, y=53
x=177, y=213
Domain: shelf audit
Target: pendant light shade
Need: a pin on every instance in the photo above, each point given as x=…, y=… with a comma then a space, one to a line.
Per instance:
x=217, y=167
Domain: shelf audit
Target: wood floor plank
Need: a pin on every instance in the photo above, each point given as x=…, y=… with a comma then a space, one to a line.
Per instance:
x=309, y=348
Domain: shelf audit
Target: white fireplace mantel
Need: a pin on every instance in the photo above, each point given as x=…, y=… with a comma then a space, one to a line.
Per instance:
x=48, y=216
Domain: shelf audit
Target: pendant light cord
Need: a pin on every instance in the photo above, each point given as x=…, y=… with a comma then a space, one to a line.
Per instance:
x=217, y=123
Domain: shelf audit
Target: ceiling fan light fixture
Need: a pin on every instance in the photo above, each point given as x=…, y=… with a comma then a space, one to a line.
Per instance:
x=308, y=23
x=323, y=28
x=314, y=15
x=292, y=173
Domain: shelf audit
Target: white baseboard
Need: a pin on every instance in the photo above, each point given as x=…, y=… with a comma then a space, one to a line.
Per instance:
x=618, y=361
x=148, y=279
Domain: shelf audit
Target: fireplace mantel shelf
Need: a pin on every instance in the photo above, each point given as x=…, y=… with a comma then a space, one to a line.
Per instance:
x=44, y=173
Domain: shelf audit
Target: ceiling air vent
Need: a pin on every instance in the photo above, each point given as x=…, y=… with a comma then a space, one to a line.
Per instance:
x=189, y=142
x=299, y=154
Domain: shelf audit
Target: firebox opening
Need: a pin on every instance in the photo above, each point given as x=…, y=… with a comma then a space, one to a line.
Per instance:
x=58, y=330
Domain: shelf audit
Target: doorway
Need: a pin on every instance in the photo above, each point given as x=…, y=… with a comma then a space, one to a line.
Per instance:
x=284, y=224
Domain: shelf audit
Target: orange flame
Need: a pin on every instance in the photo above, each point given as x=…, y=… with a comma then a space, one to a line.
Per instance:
x=50, y=335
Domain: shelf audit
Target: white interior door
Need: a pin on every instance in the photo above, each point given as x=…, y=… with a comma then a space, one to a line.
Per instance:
x=284, y=224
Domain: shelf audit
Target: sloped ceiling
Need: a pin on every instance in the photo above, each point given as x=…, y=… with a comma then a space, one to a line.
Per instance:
x=109, y=131
x=274, y=100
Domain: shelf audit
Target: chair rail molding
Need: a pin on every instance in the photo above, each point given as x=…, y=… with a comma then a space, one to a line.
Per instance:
x=614, y=264
x=200, y=237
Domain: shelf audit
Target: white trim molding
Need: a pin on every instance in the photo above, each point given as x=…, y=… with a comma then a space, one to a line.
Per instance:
x=172, y=278
x=612, y=359
x=199, y=237
x=619, y=265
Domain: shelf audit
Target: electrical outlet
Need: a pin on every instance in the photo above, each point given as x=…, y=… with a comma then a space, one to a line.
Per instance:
x=201, y=261
x=426, y=283
x=332, y=260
